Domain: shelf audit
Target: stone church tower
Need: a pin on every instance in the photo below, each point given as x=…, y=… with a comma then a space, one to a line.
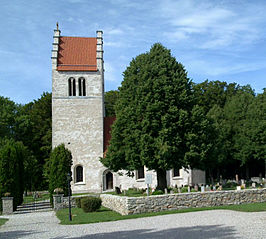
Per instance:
x=78, y=106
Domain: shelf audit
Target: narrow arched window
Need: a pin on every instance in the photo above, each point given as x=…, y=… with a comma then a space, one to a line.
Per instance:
x=79, y=174
x=82, y=87
x=74, y=87
x=71, y=86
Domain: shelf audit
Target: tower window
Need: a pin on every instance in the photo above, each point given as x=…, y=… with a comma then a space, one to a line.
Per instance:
x=71, y=86
x=82, y=87
x=79, y=174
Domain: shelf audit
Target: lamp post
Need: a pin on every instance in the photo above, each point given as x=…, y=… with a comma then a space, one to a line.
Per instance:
x=69, y=203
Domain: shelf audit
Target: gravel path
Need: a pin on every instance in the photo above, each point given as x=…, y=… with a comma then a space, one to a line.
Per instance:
x=205, y=224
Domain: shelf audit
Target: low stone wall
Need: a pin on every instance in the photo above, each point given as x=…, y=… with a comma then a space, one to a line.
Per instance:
x=134, y=205
x=116, y=203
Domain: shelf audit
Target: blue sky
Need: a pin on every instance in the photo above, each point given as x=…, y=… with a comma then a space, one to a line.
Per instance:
x=215, y=40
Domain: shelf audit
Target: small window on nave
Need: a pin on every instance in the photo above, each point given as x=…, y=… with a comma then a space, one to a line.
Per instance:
x=176, y=172
x=140, y=173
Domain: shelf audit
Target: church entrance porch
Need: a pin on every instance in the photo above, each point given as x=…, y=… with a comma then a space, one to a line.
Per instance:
x=107, y=180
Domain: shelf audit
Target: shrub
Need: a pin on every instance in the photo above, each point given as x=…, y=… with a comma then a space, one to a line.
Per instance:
x=78, y=202
x=90, y=204
x=157, y=192
x=184, y=190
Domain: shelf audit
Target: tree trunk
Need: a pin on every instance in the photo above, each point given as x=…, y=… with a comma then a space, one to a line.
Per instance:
x=161, y=179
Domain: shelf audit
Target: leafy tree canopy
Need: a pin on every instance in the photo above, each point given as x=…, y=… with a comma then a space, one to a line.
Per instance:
x=155, y=117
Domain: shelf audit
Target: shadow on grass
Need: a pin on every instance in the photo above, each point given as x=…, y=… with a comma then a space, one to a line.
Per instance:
x=197, y=232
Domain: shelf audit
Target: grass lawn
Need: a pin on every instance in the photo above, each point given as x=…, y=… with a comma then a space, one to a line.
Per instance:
x=105, y=214
x=2, y=221
x=81, y=194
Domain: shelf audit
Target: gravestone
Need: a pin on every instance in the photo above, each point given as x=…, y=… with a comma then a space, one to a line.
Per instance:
x=214, y=188
x=237, y=180
x=253, y=185
x=196, y=187
x=238, y=188
x=202, y=189
x=117, y=190
x=188, y=189
x=242, y=181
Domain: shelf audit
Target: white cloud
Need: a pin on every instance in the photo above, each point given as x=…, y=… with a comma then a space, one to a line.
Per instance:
x=109, y=72
x=114, y=31
x=210, y=25
x=114, y=43
x=223, y=68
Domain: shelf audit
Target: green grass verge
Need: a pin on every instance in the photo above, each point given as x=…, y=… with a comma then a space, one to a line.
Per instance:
x=81, y=194
x=3, y=221
x=105, y=214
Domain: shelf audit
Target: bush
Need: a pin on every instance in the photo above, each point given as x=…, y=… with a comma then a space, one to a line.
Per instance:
x=157, y=192
x=184, y=190
x=230, y=185
x=78, y=202
x=90, y=204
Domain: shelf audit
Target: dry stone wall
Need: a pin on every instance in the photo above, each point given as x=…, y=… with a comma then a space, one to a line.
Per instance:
x=135, y=205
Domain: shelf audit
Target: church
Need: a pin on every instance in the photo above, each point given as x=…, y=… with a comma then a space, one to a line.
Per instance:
x=78, y=118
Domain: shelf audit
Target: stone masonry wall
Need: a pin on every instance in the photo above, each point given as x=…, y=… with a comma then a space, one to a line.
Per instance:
x=116, y=203
x=134, y=205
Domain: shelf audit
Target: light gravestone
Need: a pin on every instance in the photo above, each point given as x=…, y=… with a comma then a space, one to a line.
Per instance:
x=202, y=189
x=148, y=181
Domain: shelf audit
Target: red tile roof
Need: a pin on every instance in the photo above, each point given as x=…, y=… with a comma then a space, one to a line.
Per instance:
x=108, y=121
x=77, y=54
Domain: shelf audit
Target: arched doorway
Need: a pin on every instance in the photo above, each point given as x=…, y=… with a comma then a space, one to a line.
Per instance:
x=107, y=180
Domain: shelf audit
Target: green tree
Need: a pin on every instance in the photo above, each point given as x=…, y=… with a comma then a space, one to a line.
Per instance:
x=110, y=98
x=12, y=156
x=58, y=166
x=8, y=111
x=155, y=113
x=233, y=146
x=33, y=126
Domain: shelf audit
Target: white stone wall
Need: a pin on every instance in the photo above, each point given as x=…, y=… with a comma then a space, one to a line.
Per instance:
x=134, y=205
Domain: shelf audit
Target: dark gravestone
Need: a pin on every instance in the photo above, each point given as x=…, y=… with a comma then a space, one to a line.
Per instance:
x=117, y=190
